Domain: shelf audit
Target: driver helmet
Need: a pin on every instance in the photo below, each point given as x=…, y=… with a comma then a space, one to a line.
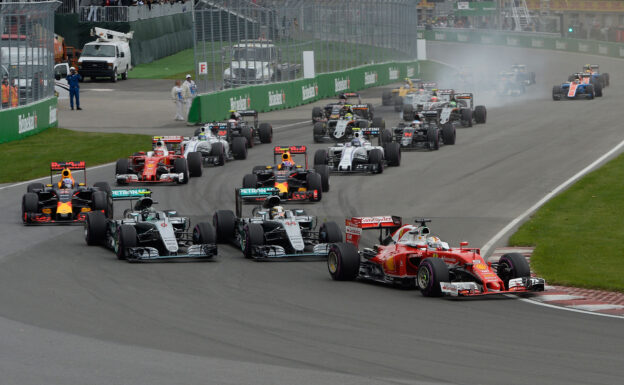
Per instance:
x=342, y=99
x=356, y=142
x=421, y=91
x=148, y=215
x=348, y=115
x=434, y=98
x=453, y=103
x=68, y=183
x=72, y=69
x=434, y=242
x=202, y=136
x=415, y=123
x=278, y=212
x=233, y=114
x=159, y=151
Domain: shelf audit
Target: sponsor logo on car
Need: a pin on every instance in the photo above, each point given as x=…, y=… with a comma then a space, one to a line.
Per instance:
x=370, y=78
x=277, y=98
x=27, y=122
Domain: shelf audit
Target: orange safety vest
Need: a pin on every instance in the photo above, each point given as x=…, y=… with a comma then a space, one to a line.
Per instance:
x=14, y=96
x=5, y=94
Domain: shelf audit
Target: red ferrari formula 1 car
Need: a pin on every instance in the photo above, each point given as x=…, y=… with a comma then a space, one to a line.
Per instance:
x=410, y=255
x=65, y=202
x=164, y=164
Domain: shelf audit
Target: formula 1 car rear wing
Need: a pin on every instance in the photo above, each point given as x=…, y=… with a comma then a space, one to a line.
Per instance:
x=248, y=112
x=254, y=196
x=466, y=96
x=429, y=85
x=355, y=225
x=173, y=143
x=292, y=150
x=130, y=194
x=67, y=167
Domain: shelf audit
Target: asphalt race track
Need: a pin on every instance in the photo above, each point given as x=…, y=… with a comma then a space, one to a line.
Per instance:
x=72, y=314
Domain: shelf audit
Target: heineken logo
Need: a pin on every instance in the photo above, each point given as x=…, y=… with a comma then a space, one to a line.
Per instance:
x=486, y=40
x=52, y=115
x=277, y=98
x=583, y=47
x=309, y=92
x=410, y=72
x=393, y=73
x=240, y=103
x=461, y=37
x=537, y=43
x=370, y=78
x=603, y=49
x=27, y=122
x=341, y=84
x=512, y=41
x=561, y=44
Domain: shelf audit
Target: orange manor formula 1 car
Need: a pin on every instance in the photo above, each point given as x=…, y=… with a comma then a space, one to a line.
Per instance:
x=65, y=202
x=410, y=255
x=164, y=164
x=293, y=182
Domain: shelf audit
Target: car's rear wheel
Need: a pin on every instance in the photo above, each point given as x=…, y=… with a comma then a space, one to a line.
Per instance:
x=448, y=133
x=321, y=157
x=315, y=183
x=323, y=171
x=265, y=131
x=343, y=262
x=239, y=148
x=100, y=202
x=126, y=238
x=393, y=154
x=557, y=92
x=385, y=137
x=247, y=134
x=466, y=117
x=250, y=181
x=433, y=138
x=329, y=232
x=204, y=234
x=224, y=222
x=30, y=205
x=512, y=265
x=95, y=228
x=398, y=103
x=431, y=272
x=194, y=160
x=217, y=151
x=408, y=113
x=386, y=98
x=480, y=114
x=122, y=166
x=318, y=131
x=317, y=113
x=379, y=122
x=375, y=157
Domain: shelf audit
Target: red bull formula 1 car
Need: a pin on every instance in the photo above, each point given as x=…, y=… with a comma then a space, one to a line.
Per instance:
x=164, y=164
x=410, y=255
x=294, y=182
x=65, y=202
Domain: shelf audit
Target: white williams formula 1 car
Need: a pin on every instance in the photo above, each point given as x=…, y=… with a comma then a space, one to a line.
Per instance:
x=359, y=155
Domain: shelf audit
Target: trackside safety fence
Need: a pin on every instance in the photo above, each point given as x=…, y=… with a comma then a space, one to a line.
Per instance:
x=268, y=97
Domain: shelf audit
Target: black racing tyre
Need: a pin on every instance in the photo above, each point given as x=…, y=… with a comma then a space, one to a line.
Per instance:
x=253, y=236
x=370, y=112
x=343, y=262
x=224, y=222
x=30, y=205
x=204, y=234
x=557, y=92
x=590, y=91
x=386, y=98
x=250, y=181
x=431, y=272
x=317, y=113
x=323, y=171
x=265, y=132
x=513, y=265
x=375, y=157
x=32, y=187
x=392, y=153
x=362, y=124
x=127, y=237
x=466, y=117
x=218, y=151
x=104, y=186
x=315, y=183
x=180, y=166
x=95, y=228
x=100, y=201
x=385, y=137
x=598, y=89
x=433, y=138
x=379, y=122
x=122, y=166
x=321, y=157
x=607, y=79
x=408, y=113
x=247, y=134
x=194, y=161
x=329, y=232
x=398, y=103
x=448, y=133
x=480, y=114
x=258, y=168
x=318, y=131
x=239, y=148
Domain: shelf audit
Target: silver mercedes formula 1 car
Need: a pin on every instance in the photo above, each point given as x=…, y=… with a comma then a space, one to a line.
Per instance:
x=145, y=234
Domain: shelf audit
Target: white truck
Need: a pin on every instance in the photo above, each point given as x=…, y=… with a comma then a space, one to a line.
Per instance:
x=254, y=62
x=108, y=56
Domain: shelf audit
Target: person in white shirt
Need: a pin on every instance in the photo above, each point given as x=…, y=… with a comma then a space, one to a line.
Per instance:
x=177, y=95
x=190, y=91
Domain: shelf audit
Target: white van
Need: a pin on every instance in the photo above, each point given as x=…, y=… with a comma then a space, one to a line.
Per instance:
x=108, y=56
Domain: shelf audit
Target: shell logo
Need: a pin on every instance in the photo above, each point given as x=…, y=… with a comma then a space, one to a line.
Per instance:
x=389, y=264
x=481, y=266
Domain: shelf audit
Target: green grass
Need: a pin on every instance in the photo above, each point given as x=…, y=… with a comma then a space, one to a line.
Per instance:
x=30, y=158
x=578, y=234
x=329, y=57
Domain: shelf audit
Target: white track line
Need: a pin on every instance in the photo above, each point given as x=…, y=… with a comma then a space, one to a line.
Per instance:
x=291, y=125
x=569, y=309
x=547, y=197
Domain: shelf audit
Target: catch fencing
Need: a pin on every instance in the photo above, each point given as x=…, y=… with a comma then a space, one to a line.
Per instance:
x=239, y=43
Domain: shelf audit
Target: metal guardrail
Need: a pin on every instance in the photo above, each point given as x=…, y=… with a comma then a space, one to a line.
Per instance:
x=122, y=14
